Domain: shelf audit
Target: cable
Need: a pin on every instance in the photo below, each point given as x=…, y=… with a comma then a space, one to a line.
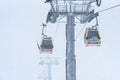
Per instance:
x=61, y=18
x=77, y=18
x=80, y=31
x=56, y=32
x=57, y=27
x=43, y=29
x=82, y=10
x=109, y=8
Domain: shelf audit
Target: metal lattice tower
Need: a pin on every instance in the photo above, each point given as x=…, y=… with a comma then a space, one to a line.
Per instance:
x=71, y=9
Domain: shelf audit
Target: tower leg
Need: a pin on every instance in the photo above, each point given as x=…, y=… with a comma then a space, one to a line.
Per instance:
x=70, y=49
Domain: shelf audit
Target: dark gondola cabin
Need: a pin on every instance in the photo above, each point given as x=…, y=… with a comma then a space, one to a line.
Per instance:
x=92, y=37
x=46, y=45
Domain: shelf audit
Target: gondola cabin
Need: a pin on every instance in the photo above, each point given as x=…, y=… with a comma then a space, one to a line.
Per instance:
x=92, y=37
x=46, y=45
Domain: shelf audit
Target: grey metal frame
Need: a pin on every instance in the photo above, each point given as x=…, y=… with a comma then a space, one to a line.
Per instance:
x=71, y=9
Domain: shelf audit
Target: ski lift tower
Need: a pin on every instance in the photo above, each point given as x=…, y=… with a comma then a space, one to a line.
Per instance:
x=71, y=9
x=49, y=61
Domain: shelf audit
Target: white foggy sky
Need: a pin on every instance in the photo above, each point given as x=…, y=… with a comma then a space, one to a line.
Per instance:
x=20, y=22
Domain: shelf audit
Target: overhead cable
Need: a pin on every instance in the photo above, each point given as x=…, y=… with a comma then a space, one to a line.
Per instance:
x=109, y=8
